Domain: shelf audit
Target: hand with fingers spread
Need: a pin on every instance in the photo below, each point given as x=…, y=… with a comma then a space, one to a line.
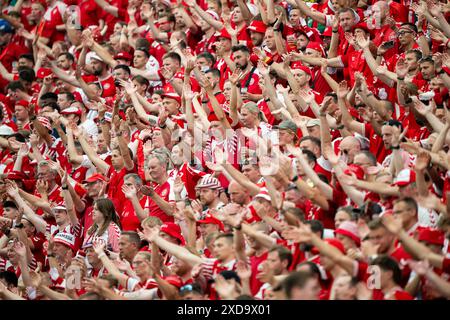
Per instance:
x=423, y=161
x=342, y=90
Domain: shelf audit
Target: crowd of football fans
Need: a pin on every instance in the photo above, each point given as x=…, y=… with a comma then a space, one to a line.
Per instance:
x=224, y=149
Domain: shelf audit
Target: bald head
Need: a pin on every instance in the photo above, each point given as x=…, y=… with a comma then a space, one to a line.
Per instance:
x=238, y=194
x=349, y=147
x=380, y=10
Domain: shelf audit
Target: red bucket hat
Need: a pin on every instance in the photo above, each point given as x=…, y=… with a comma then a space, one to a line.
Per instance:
x=210, y=219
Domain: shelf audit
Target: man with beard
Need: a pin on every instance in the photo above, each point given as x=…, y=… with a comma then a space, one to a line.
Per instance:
x=65, y=62
x=249, y=85
x=105, y=78
x=209, y=189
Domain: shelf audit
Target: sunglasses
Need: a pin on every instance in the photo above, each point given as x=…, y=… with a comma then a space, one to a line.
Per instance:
x=187, y=288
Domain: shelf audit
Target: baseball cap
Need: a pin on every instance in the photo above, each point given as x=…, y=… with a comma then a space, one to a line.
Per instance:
x=224, y=34
x=210, y=219
x=173, y=230
x=257, y=26
x=95, y=177
x=123, y=55
x=6, y=130
x=92, y=55
x=349, y=229
x=328, y=32
x=263, y=194
x=43, y=72
x=405, y=177
x=5, y=26
x=363, y=26
x=209, y=183
x=66, y=239
x=71, y=110
x=287, y=125
x=23, y=103
x=172, y=95
x=312, y=123
x=316, y=46
x=59, y=207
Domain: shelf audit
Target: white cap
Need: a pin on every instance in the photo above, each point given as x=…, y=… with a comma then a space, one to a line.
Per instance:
x=92, y=55
x=6, y=130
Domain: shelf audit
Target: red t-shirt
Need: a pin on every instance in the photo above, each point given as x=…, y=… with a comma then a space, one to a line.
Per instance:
x=128, y=218
x=163, y=191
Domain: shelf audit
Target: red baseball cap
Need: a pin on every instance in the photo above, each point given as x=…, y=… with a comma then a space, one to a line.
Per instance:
x=302, y=67
x=431, y=236
x=328, y=32
x=224, y=34
x=172, y=95
x=257, y=26
x=123, y=55
x=95, y=177
x=405, y=177
x=316, y=46
x=173, y=230
x=23, y=103
x=43, y=72
x=210, y=219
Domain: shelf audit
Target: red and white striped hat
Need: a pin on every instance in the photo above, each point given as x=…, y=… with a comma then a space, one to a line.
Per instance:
x=405, y=177
x=264, y=194
x=65, y=239
x=45, y=122
x=209, y=182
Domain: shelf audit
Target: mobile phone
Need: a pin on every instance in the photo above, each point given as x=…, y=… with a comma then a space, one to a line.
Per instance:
x=388, y=44
x=108, y=116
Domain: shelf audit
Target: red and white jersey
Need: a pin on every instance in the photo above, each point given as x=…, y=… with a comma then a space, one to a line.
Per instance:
x=110, y=237
x=134, y=284
x=212, y=267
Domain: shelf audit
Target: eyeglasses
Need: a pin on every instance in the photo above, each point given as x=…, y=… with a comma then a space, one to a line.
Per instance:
x=187, y=288
x=402, y=33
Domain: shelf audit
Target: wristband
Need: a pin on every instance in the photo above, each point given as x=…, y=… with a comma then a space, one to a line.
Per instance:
x=340, y=127
x=64, y=187
x=401, y=79
x=162, y=126
x=395, y=148
x=334, y=31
